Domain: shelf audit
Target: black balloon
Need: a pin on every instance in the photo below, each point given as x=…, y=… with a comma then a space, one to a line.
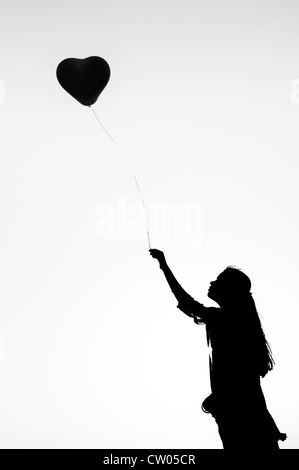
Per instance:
x=84, y=79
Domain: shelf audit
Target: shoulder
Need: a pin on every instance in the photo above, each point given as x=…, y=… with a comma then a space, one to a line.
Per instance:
x=198, y=311
x=213, y=314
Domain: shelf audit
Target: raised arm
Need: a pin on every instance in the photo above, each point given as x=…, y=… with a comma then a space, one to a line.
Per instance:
x=176, y=288
x=186, y=303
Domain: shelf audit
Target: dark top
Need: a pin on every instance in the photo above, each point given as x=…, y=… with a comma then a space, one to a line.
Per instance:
x=231, y=361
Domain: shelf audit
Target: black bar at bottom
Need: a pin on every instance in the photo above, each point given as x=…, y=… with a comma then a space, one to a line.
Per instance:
x=139, y=458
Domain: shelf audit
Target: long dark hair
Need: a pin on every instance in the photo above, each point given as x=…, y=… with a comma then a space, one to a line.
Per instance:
x=251, y=334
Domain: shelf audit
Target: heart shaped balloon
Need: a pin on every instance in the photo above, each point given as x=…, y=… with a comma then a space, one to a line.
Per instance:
x=84, y=79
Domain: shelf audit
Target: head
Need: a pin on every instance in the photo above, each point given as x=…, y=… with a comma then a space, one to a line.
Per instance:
x=231, y=290
x=231, y=285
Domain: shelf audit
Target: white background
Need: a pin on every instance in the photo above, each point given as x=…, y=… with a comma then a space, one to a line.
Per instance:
x=94, y=352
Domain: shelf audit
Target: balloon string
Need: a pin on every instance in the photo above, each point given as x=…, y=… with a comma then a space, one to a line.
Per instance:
x=134, y=174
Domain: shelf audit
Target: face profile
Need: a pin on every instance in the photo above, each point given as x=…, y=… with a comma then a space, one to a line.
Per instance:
x=214, y=289
x=230, y=284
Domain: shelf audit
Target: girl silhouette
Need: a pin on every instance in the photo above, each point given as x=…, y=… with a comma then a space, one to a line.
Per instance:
x=240, y=356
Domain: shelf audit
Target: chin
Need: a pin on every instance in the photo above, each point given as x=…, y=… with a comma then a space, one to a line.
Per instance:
x=210, y=295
